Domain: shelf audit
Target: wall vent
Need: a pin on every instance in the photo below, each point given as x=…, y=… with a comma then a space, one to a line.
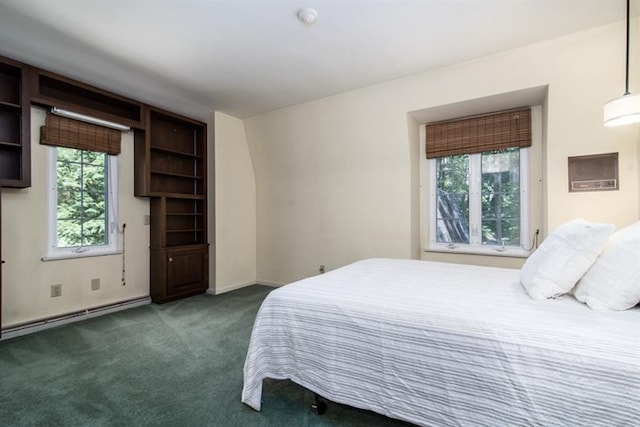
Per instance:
x=597, y=172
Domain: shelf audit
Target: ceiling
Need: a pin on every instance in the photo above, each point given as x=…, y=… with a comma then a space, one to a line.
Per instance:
x=248, y=57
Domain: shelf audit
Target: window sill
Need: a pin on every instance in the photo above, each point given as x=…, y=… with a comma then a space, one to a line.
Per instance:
x=79, y=255
x=508, y=252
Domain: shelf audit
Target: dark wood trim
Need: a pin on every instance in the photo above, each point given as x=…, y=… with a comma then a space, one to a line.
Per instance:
x=1, y=261
x=25, y=99
x=52, y=90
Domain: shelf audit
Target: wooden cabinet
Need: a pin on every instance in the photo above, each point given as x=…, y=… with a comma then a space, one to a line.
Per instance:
x=170, y=168
x=15, y=141
x=179, y=272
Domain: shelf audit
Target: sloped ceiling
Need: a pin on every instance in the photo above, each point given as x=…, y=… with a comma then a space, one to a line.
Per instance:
x=248, y=57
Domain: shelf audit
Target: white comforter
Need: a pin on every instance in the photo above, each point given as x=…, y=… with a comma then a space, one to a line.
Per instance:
x=447, y=345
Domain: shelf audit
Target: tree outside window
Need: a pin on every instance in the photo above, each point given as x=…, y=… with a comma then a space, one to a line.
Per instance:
x=81, y=179
x=478, y=199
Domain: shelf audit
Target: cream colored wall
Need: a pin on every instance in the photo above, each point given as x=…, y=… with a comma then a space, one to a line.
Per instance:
x=333, y=184
x=336, y=178
x=26, y=279
x=235, y=195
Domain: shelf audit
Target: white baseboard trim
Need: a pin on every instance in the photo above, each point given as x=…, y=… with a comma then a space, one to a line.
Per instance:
x=51, y=322
x=230, y=288
x=272, y=284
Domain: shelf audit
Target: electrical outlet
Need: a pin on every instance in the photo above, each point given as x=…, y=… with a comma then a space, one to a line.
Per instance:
x=146, y=219
x=95, y=284
x=56, y=290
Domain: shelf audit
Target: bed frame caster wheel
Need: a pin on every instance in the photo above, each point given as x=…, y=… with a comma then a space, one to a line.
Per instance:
x=319, y=407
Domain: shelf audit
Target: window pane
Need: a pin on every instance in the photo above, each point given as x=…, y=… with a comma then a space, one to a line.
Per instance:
x=69, y=204
x=82, y=211
x=501, y=197
x=69, y=176
x=94, y=177
x=69, y=155
x=94, y=211
x=509, y=230
x=69, y=233
x=93, y=158
x=94, y=232
x=452, y=185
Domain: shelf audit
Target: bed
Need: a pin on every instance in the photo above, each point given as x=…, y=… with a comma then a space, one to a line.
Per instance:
x=439, y=344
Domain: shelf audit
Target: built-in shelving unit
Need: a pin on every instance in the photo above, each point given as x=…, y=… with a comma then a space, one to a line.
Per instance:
x=170, y=166
x=178, y=222
x=51, y=90
x=15, y=161
x=170, y=159
x=1, y=262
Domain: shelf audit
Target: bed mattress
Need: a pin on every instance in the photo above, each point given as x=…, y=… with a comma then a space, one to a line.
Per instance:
x=441, y=344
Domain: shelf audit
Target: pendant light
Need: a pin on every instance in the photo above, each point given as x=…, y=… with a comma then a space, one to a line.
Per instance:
x=625, y=109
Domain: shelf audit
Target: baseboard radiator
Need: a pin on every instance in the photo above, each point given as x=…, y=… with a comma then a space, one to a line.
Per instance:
x=76, y=316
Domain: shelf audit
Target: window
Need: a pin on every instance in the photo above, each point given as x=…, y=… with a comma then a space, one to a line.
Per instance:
x=82, y=203
x=479, y=202
x=477, y=189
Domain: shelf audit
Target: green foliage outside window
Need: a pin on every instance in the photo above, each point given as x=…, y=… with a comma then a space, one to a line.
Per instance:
x=82, y=198
x=499, y=193
x=501, y=197
x=453, y=199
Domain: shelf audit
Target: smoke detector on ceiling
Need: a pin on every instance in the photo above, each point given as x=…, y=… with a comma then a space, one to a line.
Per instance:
x=307, y=16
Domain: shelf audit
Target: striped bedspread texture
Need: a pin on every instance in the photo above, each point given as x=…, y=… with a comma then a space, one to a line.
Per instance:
x=439, y=344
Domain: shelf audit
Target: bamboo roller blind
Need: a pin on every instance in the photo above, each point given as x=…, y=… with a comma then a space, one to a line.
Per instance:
x=477, y=134
x=65, y=132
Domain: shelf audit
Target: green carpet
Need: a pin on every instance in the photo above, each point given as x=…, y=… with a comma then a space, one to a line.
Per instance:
x=177, y=364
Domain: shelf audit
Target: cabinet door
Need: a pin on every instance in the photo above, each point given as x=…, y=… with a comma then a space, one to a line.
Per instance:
x=187, y=269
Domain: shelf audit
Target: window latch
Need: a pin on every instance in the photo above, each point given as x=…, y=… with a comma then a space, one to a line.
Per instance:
x=80, y=250
x=502, y=248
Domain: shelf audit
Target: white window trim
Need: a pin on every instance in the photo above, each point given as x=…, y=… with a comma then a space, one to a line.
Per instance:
x=55, y=253
x=475, y=246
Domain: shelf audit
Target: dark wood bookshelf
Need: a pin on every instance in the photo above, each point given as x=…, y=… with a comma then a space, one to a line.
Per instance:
x=175, y=152
x=170, y=168
x=52, y=90
x=1, y=262
x=15, y=137
x=5, y=104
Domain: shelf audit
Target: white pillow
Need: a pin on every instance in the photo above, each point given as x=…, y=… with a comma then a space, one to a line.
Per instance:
x=613, y=282
x=563, y=258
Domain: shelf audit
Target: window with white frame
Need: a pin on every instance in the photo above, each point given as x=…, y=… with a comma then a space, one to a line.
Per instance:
x=478, y=191
x=480, y=201
x=82, y=202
